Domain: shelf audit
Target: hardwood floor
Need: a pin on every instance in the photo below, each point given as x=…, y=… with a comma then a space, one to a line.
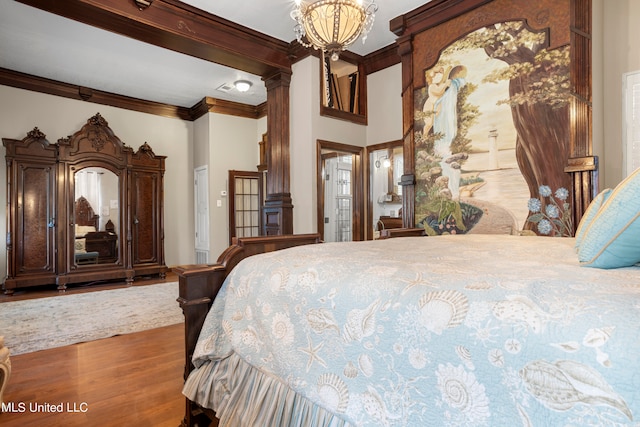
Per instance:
x=127, y=380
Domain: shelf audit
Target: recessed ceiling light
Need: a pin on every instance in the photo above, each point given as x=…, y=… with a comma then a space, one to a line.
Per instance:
x=242, y=85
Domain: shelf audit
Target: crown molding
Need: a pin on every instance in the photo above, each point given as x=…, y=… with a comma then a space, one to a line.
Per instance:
x=220, y=106
x=82, y=93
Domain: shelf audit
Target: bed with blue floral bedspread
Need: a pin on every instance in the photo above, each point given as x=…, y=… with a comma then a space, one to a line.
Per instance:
x=470, y=330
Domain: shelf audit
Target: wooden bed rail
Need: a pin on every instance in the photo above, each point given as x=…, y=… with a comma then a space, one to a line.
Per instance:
x=199, y=284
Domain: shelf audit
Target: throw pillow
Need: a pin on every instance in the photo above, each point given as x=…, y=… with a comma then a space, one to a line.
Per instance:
x=590, y=214
x=612, y=238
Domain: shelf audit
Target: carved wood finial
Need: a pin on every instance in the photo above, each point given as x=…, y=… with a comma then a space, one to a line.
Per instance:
x=146, y=149
x=36, y=134
x=64, y=140
x=98, y=120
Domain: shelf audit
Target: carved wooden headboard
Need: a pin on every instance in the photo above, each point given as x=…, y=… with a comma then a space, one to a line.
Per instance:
x=84, y=214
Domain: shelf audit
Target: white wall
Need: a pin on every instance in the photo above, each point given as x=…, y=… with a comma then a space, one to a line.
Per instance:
x=384, y=105
x=233, y=145
x=304, y=105
x=56, y=117
x=384, y=111
x=616, y=52
x=307, y=127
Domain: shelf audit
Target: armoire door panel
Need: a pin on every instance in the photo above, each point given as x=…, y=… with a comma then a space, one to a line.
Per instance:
x=36, y=210
x=145, y=241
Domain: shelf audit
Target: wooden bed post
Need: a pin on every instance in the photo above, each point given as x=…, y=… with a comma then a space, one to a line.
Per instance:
x=198, y=286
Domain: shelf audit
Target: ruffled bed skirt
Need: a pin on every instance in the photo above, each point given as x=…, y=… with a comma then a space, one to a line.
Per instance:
x=242, y=395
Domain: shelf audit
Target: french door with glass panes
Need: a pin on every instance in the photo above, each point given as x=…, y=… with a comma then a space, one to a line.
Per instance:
x=338, y=199
x=245, y=203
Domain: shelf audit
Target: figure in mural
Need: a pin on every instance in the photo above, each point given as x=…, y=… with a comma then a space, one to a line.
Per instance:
x=441, y=114
x=455, y=110
x=436, y=86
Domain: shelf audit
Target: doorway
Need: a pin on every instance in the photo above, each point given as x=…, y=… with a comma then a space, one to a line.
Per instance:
x=340, y=191
x=385, y=166
x=201, y=191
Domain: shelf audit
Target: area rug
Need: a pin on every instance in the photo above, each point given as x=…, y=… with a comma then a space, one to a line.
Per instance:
x=43, y=323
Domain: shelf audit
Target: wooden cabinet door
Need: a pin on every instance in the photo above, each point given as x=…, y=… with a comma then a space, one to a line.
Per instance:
x=146, y=218
x=35, y=219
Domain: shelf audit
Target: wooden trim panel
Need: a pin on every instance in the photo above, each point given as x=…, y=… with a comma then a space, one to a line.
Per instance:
x=53, y=87
x=177, y=26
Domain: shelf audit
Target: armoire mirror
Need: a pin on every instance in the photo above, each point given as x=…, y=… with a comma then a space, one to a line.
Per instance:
x=96, y=216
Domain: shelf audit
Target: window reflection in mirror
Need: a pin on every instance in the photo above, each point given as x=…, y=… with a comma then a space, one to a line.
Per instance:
x=96, y=217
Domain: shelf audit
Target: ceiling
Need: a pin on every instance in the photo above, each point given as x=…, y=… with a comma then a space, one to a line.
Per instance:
x=42, y=44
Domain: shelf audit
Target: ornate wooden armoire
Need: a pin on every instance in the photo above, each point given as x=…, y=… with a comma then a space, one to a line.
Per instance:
x=85, y=209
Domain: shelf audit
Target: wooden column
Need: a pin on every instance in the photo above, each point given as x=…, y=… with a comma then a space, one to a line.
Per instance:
x=405, y=50
x=582, y=165
x=278, y=210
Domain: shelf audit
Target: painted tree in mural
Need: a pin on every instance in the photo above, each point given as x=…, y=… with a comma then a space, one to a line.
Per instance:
x=538, y=81
x=538, y=89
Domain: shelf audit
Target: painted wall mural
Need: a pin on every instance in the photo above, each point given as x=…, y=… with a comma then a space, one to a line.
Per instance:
x=492, y=135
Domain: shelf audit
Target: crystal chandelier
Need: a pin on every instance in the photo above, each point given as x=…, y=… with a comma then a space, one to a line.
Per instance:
x=333, y=25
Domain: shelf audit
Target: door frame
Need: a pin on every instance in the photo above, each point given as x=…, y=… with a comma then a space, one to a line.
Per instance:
x=357, y=185
x=370, y=197
x=233, y=174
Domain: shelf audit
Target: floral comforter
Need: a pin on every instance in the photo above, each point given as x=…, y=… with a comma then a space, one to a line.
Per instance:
x=449, y=331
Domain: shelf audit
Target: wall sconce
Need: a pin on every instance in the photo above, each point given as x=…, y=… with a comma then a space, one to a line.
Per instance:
x=242, y=85
x=385, y=162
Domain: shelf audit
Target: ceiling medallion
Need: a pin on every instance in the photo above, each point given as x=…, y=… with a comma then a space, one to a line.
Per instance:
x=332, y=25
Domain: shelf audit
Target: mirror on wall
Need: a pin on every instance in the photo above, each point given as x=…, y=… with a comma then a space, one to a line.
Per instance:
x=386, y=165
x=96, y=216
x=343, y=89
